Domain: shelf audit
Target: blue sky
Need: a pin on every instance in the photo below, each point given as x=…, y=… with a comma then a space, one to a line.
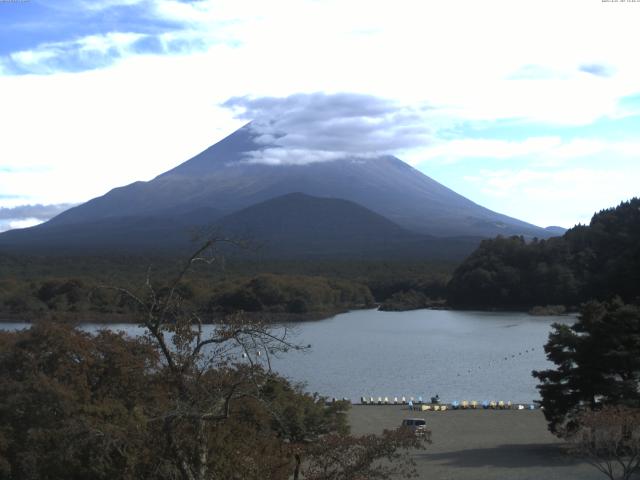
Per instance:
x=529, y=108
x=28, y=25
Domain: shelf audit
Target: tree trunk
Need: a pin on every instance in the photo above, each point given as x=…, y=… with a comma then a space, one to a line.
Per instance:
x=183, y=464
x=296, y=471
x=203, y=450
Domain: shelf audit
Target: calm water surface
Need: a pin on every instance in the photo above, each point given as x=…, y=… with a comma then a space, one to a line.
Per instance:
x=458, y=355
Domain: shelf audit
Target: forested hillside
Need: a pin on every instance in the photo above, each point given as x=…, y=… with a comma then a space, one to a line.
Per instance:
x=276, y=296
x=78, y=288
x=597, y=261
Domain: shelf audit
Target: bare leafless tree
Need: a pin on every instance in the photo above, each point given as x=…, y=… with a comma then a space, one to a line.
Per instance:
x=345, y=457
x=609, y=439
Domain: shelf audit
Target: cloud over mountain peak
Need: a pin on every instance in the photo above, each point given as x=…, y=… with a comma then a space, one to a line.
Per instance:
x=316, y=127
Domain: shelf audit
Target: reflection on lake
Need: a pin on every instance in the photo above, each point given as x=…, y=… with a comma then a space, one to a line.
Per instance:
x=459, y=355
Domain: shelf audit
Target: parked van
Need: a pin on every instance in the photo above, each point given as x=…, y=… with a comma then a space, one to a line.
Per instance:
x=416, y=425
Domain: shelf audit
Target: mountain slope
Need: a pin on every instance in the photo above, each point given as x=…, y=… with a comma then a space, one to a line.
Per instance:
x=290, y=226
x=222, y=177
x=299, y=225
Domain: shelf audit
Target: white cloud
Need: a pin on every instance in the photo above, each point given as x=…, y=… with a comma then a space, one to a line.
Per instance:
x=469, y=60
x=627, y=148
x=103, y=43
x=10, y=224
x=540, y=151
x=104, y=128
x=34, y=57
x=23, y=216
x=414, y=50
x=197, y=13
x=299, y=156
x=22, y=223
x=308, y=128
x=459, y=149
x=561, y=197
x=100, y=5
x=85, y=52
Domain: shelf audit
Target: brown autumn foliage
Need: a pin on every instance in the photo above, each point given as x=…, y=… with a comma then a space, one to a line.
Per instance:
x=182, y=401
x=70, y=404
x=81, y=406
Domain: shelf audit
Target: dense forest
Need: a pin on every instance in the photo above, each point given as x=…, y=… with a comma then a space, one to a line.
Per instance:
x=598, y=261
x=82, y=288
x=78, y=299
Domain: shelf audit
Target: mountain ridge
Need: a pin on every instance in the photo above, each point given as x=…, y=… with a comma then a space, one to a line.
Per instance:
x=294, y=225
x=223, y=178
x=300, y=225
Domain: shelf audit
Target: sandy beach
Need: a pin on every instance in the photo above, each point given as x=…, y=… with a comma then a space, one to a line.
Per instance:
x=480, y=444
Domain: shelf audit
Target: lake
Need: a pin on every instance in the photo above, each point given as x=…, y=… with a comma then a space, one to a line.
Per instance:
x=458, y=355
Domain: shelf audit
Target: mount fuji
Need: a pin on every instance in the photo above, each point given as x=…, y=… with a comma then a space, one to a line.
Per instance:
x=382, y=200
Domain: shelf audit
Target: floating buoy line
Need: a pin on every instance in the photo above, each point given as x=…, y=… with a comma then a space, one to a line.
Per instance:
x=497, y=362
x=419, y=404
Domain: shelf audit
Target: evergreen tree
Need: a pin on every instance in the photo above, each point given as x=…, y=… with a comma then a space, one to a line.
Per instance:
x=598, y=261
x=597, y=362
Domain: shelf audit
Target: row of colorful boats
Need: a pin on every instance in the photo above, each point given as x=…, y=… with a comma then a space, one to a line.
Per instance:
x=435, y=405
x=396, y=401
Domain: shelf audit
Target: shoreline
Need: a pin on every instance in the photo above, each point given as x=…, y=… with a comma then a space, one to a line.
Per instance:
x=125, y=318
x=268, y=317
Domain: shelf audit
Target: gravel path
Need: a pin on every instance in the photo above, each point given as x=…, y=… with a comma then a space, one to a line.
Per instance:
x=481, y=444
